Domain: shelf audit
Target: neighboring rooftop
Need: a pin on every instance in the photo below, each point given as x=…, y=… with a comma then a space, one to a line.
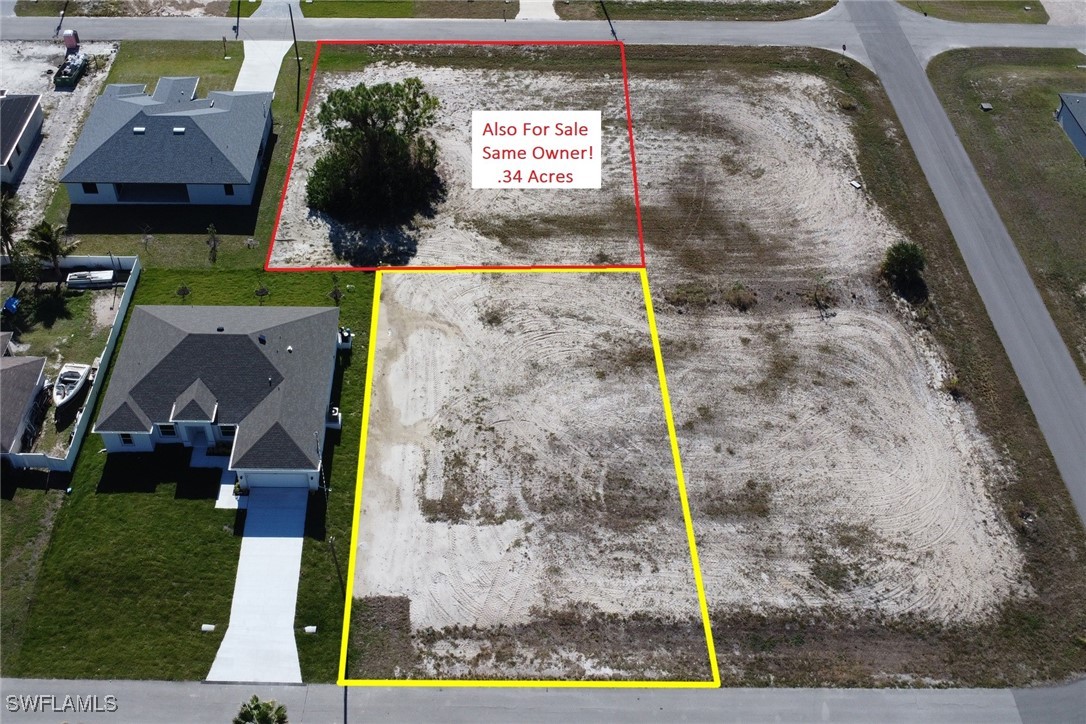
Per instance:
x=267, y=370
x=1076, y=106
x=18, y=383
x=170, y=136
x=15, y=111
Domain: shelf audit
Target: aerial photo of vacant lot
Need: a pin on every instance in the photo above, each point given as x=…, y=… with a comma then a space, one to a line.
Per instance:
x=476, y=227
x=855, y=520
x=520, y=516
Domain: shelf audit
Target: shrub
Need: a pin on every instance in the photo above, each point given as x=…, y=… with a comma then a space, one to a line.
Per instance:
x=380, y=169
x=903, y=268
x=740, y=298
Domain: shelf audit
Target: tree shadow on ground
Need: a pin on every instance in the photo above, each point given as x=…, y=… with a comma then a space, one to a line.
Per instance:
x=913, y=290
x=382, y=246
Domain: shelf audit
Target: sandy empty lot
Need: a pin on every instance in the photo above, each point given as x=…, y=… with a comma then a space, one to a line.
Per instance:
x=518, y=473
x=485, y=226
x=26, y=68
x=826, y=465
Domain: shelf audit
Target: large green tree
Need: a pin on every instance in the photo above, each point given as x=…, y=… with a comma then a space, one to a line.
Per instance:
x=10, y=209
x=381, y=168
x=25, y=268
x=50, y=243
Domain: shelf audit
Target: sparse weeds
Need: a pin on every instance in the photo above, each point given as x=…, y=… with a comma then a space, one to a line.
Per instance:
x=753, y=500
x=740, y=298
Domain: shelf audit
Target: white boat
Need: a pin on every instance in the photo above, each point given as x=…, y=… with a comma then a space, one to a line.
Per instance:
x=90, y=279
x=71, y=379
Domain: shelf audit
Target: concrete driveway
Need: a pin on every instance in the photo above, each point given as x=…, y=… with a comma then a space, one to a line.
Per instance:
x=259, y=645
x=260, y=68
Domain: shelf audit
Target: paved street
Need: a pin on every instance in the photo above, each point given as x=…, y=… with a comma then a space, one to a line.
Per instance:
x=1049, y=377
x=830, y=30
x=153, y=701
x=897, y=44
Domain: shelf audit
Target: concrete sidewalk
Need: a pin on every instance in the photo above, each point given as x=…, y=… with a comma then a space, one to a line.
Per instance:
x=259, y=645
x=537, y=10
x=260, y=69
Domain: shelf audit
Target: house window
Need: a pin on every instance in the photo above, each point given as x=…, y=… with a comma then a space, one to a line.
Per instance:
x=126, y=439
x=167, y=430
x=89, y=188
x=228, y=431
x=228, y=189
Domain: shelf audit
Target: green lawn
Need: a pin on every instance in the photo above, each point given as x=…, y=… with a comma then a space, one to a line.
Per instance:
x=175, y=237
x=139, y=556
x=410, y=8
x=138, y=559
x=358, y=9
x=981, y=11
x=52, y=8
x=28, y=503
x=691, y=10
x=1031, y=170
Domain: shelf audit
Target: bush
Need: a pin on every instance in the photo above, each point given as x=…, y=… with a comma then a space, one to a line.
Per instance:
x=381, y=169
x=903, y=268
x=740, y=298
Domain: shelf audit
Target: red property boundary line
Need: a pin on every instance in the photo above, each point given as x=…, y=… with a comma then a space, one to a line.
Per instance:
x=305, y=109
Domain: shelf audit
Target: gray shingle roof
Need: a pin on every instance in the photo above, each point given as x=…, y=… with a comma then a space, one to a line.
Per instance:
x=196, y=403
x=174, y=359
x=1076, y=106
x=15, y=110
x=18, y=383
x=219, y=145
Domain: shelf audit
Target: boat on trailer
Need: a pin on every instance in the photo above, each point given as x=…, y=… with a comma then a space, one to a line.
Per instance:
x=69, y=382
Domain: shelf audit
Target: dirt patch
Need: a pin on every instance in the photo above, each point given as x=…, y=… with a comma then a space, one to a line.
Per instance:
x=27, y=67
x=480, y=226
x=105, y=306
x=820, y=411
x=517, y=474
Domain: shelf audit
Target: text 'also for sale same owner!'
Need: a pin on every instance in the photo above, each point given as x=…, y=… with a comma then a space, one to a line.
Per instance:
x=535, y=149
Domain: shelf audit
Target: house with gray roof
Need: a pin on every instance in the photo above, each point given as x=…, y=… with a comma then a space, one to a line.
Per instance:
x=1072, y=118
x=21, y=383
x=21, y=119
x=255, y=381
x=170, y=147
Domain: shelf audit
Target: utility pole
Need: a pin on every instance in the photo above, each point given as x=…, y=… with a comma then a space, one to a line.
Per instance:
x=608, y=16
x=298, y=58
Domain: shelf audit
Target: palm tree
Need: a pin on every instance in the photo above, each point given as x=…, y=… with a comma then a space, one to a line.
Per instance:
x=256, y=711
x=9, y=221
x=51, y=245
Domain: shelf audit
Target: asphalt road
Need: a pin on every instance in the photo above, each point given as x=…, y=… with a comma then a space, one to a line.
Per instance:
x=897, y=44
x=148, y=702
x=1040, y=358
x=829, y=30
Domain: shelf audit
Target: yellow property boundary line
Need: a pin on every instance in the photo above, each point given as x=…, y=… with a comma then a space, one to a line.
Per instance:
x=680, y=481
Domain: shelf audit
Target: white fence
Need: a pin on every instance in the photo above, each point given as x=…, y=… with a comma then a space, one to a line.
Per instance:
x=41, y=461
